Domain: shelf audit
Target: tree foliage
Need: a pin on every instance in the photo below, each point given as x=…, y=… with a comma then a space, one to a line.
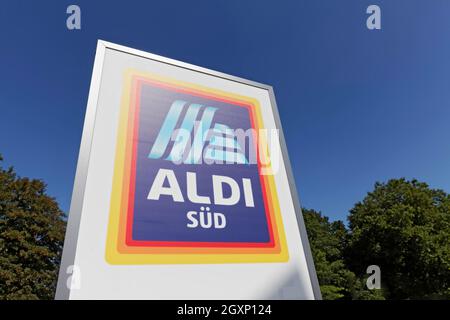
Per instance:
x=31, y=238
x=401, y=226
x=404, y=228
x=328, y=241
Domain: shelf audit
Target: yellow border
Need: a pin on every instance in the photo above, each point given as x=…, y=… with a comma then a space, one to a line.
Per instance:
x=114, y=257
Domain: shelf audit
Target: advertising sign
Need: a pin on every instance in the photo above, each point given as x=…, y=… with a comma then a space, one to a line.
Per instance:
x=183, y=189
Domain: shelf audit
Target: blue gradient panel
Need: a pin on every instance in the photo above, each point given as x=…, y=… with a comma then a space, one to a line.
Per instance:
x=162, y=111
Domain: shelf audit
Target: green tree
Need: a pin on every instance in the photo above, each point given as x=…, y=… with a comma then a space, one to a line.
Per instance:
x=328, y=240
x=31, y=237
x=404, y=228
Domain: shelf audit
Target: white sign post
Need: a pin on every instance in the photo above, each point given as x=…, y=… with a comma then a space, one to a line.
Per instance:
x=183, y=189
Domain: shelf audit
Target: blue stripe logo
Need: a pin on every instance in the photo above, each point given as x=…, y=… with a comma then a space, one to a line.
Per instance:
x=213, y=143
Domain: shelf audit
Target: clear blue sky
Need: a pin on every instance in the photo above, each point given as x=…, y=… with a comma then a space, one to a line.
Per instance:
x=357, y=106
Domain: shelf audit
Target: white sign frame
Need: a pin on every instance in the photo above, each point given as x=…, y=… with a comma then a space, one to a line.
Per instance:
x=69, y=274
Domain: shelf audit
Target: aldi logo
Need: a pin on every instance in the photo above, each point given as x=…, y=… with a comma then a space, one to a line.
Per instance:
x=188, y=184
x=221, y=137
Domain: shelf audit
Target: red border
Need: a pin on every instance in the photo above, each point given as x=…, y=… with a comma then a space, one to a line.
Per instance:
x=130, y=212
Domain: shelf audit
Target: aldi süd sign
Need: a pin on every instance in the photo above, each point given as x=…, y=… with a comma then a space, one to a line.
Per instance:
x=182, y=180
x=189, y=189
